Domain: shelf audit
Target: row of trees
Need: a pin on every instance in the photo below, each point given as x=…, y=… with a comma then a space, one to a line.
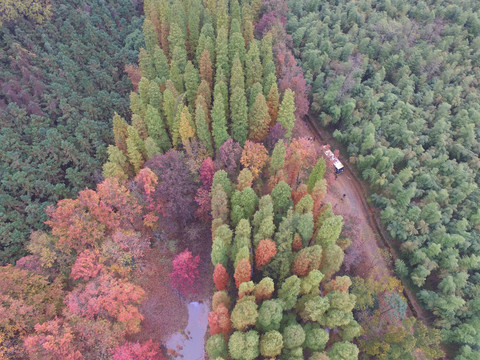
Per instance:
x=204, y=79
x=60, y=82
x=397, y=81
x=275, y=250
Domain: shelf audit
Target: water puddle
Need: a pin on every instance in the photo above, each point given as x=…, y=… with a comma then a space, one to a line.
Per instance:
x=189, y=344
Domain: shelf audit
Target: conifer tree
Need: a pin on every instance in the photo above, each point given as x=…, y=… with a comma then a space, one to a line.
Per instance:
x=239, y=115
x=236, y=45
x=169, y=102
x=247, y=23
x=135, y=149
x=235, y=11
x=206, y=93
x=273, y=100
x=176, y=76
x=136, y=104
x=278, y=157
x=146, y=65
x=143, y=91
x=219, y=121
x=117, y=165
x=286, y=113
x=151, y=148
x=206, y=42
x=155, y=96
x=221, y=87
x=252, y=94
x=157, y=129
x=120, y=133
x=191, y=83
x=238, y=78
x=178, y=50
x=194, y=18
x=266, y=49
x=259, y=122
x=186, y=127
x=222, y=61
x=150, y=35
x=316, y=174
x=222, y=14
x=201, y=123
x=139, y=124
x=253, y=65
x=176, y=125
x=206, y=68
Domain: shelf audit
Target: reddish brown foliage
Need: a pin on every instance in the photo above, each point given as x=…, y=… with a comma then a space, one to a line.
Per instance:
x=219, y=321
x=94, y=215
x=264, y=252
x=243, y=272
x=185, y=272
x=297, y=242
x=220, y=277
x=301, y=155
x=301, y=191
x=87, y=265
x=206, y=71
x=134, y=75
x=149, y=350
x=207, y=172
x=108, y=298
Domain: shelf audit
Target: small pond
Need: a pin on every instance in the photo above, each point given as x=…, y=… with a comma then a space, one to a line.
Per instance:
x=189, y=344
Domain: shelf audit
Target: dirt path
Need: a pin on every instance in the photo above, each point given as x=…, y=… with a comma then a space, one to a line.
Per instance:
x=371, y=234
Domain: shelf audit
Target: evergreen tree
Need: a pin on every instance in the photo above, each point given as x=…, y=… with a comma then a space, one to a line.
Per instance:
x=219, y=121
x=120, y=132
x=150, y=35
x=135, y=149
x=191, y=83
x=222, y=61
x=286, y=113
x=146, y=65
x=239, y=115
x=156, y=129
x=236, y=46
x=238, y=78
x=206, y=42
x=259, y=122
x=253, y=65
x=186, y=127
x=155, y=96
x=206, y=68
x=201, y=123
x=273, y=100
x=176, y=76
x=169, y=102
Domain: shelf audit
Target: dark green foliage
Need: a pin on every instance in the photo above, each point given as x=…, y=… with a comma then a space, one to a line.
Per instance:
x=408, y=117
x=60, y=81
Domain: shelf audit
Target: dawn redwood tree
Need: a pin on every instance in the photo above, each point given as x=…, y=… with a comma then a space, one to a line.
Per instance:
x=243, y=272
x=264, y=252
x=185, y=272
x=220, y=277
x=259, y=122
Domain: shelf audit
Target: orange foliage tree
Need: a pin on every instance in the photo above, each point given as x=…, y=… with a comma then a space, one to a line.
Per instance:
x=220, y=277
x=264, y=252
x=254, y=157
x=243, y=272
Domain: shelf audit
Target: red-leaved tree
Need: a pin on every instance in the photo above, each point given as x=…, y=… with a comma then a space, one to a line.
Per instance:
x=149, y=350
x=264, y=252
x=220, y=277
x=243, y=272
x=185, y=272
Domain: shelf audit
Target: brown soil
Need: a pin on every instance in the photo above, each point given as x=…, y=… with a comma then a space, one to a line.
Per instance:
x=377, y=263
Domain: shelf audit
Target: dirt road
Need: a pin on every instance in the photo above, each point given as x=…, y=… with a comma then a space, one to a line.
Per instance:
x=371, y=234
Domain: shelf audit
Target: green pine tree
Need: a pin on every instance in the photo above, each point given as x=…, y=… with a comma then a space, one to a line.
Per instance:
x=286, y=113
x=156, y=128
x=192, y=80
x=239, y=115
x=219, y=121
x=259, y=123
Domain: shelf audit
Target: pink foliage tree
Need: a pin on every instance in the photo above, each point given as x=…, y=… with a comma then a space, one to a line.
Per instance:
x=185, y=272
x=149, y=350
